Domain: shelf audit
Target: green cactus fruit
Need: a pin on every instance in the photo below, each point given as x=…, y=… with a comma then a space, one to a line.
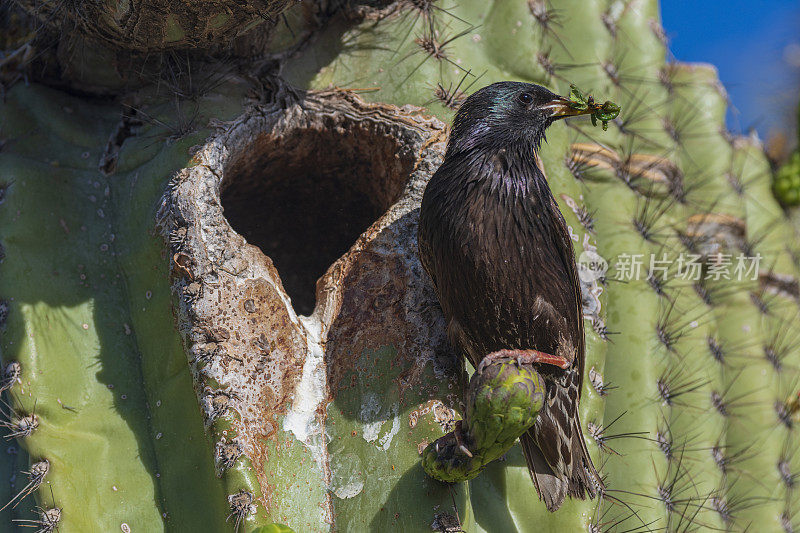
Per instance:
x=786, y=183
x=503, y=401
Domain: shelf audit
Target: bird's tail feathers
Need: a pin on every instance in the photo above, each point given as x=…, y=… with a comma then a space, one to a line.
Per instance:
x=556, y=452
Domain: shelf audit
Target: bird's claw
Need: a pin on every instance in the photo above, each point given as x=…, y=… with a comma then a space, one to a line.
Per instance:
x=524, y=357
x=460, y=440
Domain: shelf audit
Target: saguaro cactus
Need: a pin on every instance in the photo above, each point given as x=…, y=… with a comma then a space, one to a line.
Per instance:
x=214, y=318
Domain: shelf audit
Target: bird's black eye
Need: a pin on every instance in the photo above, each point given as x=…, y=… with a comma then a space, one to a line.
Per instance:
x=525, y=98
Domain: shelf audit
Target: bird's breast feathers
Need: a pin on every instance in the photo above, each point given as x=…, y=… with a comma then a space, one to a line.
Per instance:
x=494, y=256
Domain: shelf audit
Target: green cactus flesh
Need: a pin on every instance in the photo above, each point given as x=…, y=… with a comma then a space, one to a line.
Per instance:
x=90, y=325
x=119, y=266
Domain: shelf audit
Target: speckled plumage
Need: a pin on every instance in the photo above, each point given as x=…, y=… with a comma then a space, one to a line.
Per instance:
x=498, y=250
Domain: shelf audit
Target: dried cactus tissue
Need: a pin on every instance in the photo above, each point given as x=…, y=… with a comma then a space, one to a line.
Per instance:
x=214, y=314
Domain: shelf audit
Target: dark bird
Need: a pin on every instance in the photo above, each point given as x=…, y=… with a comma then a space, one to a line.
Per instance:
x=499, y=253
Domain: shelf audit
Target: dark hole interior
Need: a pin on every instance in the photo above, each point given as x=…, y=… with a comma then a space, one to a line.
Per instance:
x=304, y=196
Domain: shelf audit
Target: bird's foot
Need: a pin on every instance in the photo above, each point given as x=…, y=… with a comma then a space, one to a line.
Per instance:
x=524, y=357
x=460, y=439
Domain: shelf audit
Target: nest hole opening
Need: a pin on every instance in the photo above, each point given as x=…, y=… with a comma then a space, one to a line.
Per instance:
x=304, y=195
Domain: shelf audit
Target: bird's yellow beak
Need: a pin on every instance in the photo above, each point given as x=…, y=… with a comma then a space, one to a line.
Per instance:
x=561, y=107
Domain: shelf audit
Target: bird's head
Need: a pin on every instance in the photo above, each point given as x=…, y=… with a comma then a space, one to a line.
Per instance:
x=508, y=112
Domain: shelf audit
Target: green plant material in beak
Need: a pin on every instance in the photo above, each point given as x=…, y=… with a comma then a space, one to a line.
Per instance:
x=604, y=112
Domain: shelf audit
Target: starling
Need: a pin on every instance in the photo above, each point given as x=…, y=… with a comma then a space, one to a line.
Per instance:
x=500, y=256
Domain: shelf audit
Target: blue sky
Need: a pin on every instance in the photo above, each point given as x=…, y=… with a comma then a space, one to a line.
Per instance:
x=748, y=41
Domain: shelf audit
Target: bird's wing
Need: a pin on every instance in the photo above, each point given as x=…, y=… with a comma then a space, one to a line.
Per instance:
x=567, y=253
x=558, y=471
